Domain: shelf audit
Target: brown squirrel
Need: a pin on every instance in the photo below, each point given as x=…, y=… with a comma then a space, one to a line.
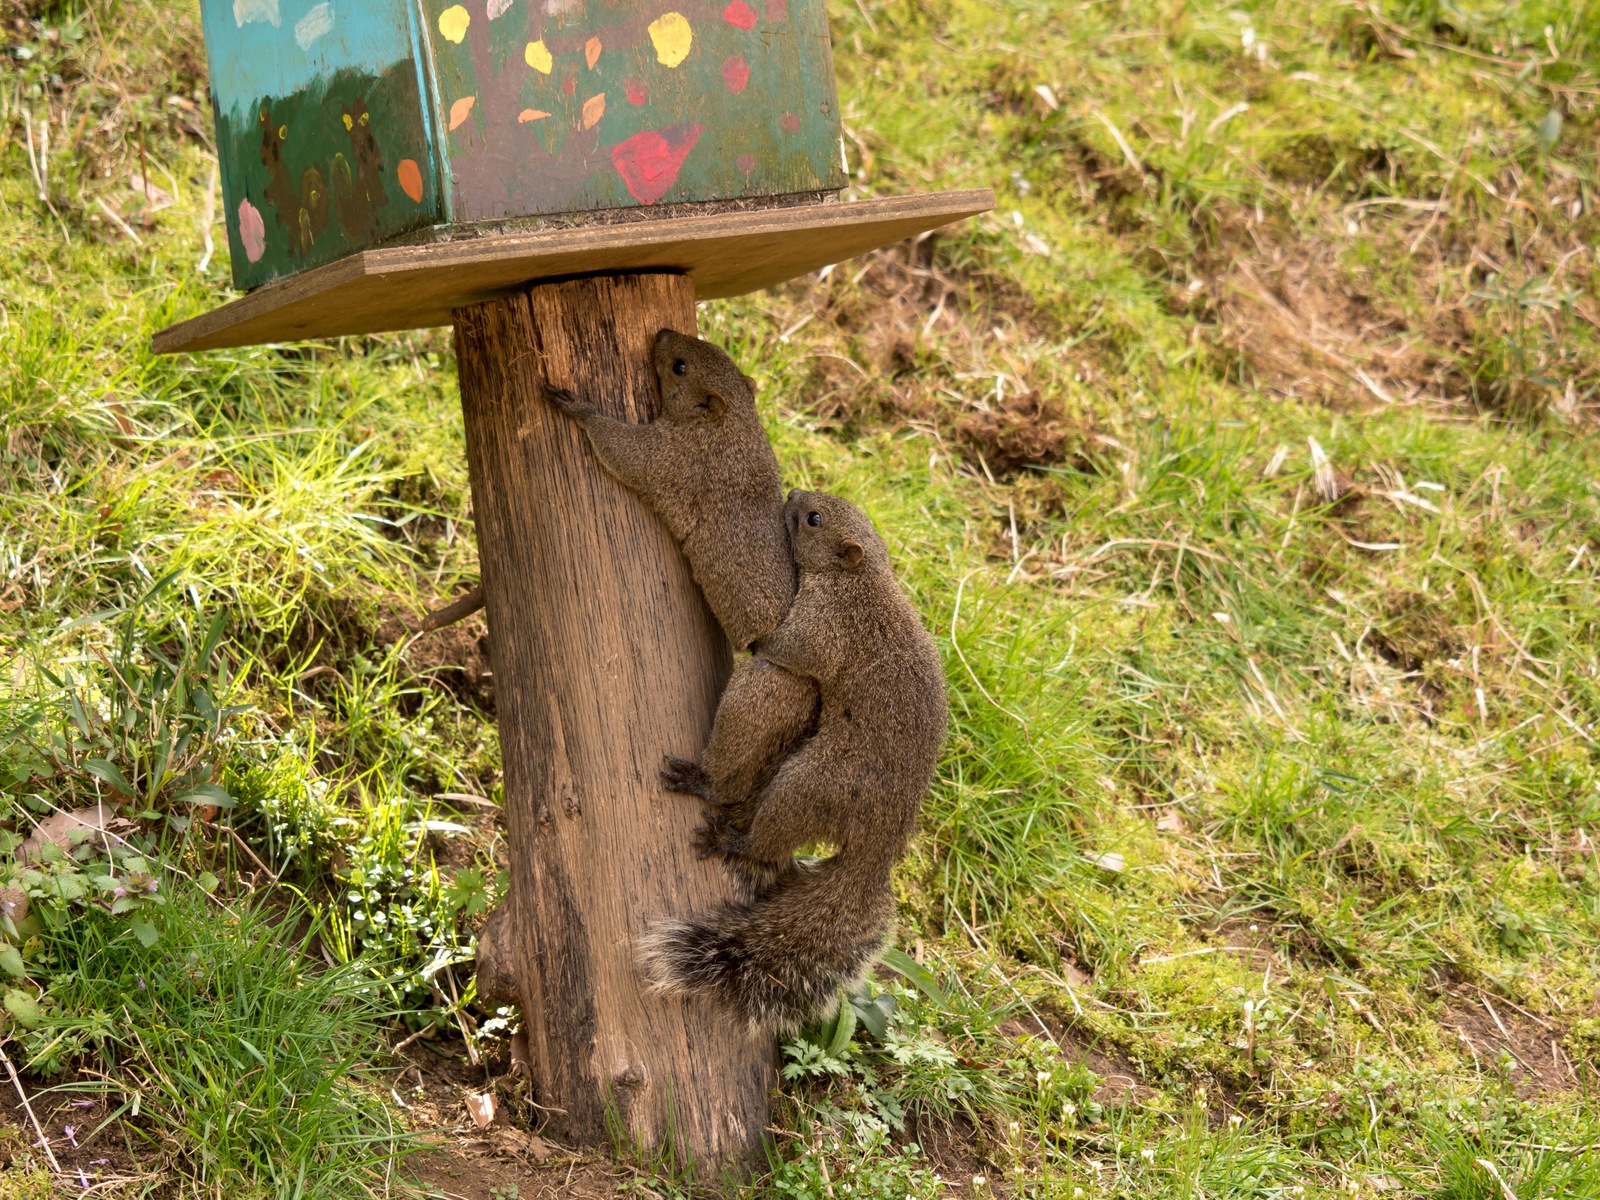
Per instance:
x=706, y=469
x=781, y=958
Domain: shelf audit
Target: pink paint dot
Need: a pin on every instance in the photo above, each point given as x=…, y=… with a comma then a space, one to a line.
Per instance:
x=746, y=164
x=735, y=73
x=777, y=10
x=569, y=84
x=740, y=14
x=252, y=231
x=636, y=90
x=790, y=122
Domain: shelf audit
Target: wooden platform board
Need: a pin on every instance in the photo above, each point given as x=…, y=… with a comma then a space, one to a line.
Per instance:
x=414, y=286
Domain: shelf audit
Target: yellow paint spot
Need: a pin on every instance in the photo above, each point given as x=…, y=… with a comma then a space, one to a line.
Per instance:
x=453, y=23
x=283, y=133
x=538, y=57
x=672, y=38
x=531, y=114
x=460, y=109
x=348, y=123
x=593, y=109
x=591, y=51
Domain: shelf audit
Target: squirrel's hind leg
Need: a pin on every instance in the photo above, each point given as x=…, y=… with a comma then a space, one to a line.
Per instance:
x=719, y=837
x=764, y=716
x=798, y=807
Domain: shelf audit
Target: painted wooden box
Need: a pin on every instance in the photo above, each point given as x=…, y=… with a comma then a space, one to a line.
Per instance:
x=342, y=124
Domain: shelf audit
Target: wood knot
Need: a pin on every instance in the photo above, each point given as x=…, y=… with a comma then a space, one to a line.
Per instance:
x=573, y=805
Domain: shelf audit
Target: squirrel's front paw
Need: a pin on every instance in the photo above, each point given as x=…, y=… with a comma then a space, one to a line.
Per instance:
x=567, y=402
x=684, y=775
x=719, y=837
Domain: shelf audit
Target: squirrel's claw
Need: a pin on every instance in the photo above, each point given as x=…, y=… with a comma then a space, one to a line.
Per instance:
x=718, y=837
x=689, y=777
x=567, y=402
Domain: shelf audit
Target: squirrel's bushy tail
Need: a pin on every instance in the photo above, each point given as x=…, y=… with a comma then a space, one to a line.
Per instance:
x=779, y=960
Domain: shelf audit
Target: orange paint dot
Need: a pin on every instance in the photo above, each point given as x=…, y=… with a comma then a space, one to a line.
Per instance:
x=531, y=114
x=460, y=109
x=593, y=109
x=410, y=179
x=591, y=52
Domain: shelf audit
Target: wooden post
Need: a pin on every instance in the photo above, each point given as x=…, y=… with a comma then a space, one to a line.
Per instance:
x=605, y=658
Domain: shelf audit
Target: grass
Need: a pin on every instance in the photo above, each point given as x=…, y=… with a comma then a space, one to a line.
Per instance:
x=1243, y=463
x=248, y=1063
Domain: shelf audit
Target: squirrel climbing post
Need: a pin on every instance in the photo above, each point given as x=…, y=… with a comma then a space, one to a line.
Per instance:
x=559, y=182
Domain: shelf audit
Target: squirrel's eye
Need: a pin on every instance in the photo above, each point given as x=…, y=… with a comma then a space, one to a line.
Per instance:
x=814, y=519
x=679, y=367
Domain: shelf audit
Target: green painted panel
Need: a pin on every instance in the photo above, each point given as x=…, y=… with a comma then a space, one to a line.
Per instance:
x=322, y=129
x=554, y=106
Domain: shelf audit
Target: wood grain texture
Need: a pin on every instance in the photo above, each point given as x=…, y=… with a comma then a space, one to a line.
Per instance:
x=413, y=286
x=605, y=658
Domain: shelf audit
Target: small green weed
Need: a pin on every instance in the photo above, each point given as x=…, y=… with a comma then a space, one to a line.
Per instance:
x=867, y=1167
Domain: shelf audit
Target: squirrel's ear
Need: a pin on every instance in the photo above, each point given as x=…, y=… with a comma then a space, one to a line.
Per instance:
x=750, y=383
x=714, y=404
x=850, y=553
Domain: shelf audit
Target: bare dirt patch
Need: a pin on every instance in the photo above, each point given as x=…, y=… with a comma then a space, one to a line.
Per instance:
x=1457, y=312
x=877, y=364
x=1487, y=1030
x=502, y=1160
x=455, y=657
x=72, y=1121
x=952, y=1150
x=1253, y=942
x=509, y=1163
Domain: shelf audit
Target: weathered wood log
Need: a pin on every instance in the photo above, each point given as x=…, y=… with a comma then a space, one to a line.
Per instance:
x=605, y=658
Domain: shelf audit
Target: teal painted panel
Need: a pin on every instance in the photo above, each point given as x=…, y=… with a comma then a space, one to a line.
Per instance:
x=555, y=106
x=322, y=129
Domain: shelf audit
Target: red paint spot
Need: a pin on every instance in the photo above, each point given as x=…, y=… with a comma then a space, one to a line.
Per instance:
x=735, y=73
x=746, y=163
x=777, y=10
x=649, y=161
x=410, y=179
x=569, y=84
x=636, y=90
x=740, y=14
x=790, y=122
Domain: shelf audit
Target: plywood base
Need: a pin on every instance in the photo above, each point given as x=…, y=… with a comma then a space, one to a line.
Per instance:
x=413, y=286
